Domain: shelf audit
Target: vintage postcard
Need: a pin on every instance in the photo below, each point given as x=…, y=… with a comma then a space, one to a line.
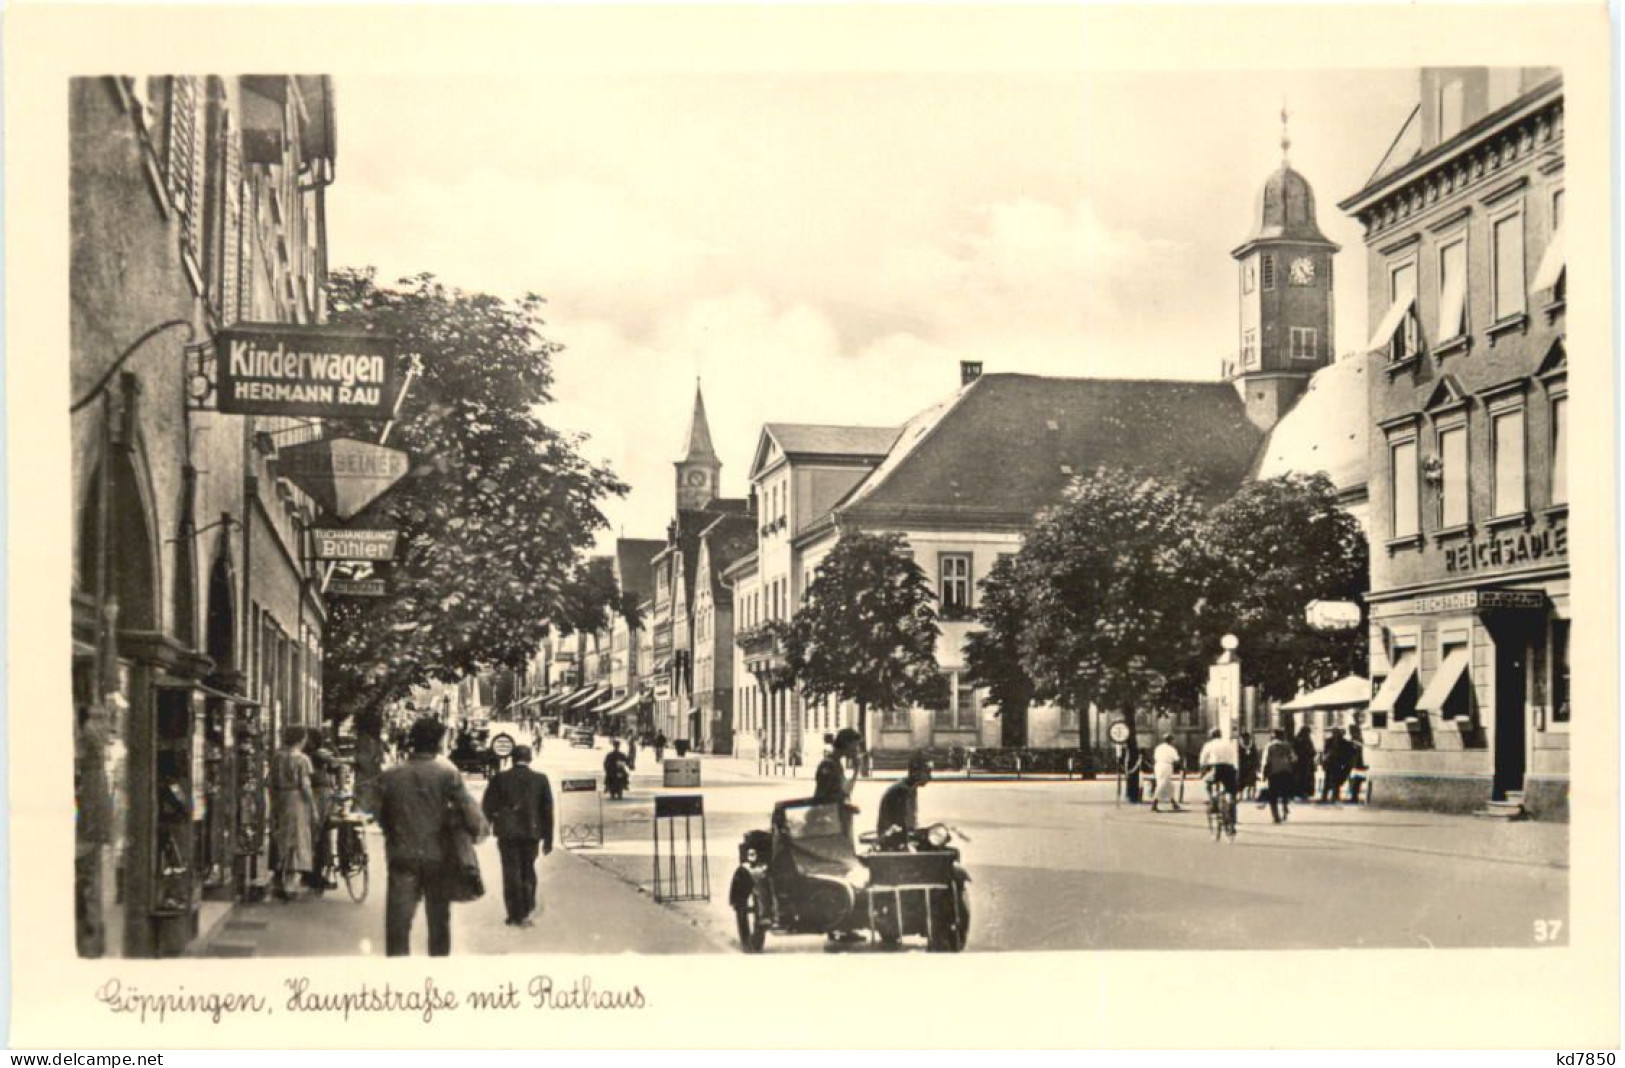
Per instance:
x=600, y=526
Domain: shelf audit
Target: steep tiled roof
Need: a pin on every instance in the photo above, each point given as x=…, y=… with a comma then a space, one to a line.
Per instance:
x=730, y=538
x=1006, y=446
x=809, y=439
x=632, y=560
x=1328, y=430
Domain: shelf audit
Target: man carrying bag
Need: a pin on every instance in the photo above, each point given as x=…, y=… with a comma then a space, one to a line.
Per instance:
x=430, y=826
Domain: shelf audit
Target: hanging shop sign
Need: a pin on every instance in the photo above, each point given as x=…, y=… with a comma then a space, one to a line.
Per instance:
x=358, y=587
x=1332, y=615
x=296, y=370
x=343, y=475
x=354, y=544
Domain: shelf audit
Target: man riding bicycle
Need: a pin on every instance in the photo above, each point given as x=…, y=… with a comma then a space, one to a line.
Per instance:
x=1220, y=765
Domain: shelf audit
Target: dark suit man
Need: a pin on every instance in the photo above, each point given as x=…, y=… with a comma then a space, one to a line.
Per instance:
x=519, y=804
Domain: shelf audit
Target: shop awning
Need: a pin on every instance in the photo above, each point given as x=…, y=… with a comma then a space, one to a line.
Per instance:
x=1552, y=265
x=1390, y=323
x=168, y=682
x=587, y=697
x=564, y=697
x=1445, y=680
x=1394, y=686
x=1347, y=692
x=605, y=704
x=624, y=706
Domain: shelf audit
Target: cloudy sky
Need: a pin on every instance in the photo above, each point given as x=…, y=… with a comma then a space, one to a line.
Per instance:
x=826, y=248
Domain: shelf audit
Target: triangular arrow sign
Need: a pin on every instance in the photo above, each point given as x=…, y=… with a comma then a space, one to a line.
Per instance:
x=343, y=475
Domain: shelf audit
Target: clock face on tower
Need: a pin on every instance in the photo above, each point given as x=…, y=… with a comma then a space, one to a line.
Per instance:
x=1303, y=271
x=696, y=478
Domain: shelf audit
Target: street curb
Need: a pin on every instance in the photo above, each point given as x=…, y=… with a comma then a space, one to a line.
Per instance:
x=1421, y=850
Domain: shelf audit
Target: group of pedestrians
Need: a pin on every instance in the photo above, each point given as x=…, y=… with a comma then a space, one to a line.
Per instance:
x=303, y=779
x=422, y=806
x=1286, y=768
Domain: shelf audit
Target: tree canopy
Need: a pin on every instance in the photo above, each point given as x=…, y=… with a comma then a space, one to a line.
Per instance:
x=867, y=630
x=1264, y=554
x=495, y=513
x=993, y=654
x=1109, y=602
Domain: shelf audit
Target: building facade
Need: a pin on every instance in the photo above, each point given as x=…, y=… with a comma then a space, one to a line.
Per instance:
x=1469, y=601
x=196, y=203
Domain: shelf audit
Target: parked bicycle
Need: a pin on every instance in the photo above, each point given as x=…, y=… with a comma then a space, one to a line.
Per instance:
x=345, y=834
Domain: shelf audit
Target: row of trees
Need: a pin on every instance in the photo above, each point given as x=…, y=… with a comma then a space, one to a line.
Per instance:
x=1117, y=599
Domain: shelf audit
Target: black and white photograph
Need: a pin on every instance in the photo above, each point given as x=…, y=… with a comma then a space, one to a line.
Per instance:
x=841, y=515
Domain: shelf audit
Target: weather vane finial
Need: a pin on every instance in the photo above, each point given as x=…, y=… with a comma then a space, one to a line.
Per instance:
x=1286, y=138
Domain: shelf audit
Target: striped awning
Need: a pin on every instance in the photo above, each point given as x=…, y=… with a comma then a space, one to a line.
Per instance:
x=585, y=698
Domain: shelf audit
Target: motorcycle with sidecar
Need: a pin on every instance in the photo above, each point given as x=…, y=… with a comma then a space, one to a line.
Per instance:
x=804, y=876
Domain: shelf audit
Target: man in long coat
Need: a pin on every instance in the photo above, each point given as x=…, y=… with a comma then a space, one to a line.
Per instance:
x=519, y=804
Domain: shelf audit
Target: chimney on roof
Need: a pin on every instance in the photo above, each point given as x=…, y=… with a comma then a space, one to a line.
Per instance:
x=969, y=371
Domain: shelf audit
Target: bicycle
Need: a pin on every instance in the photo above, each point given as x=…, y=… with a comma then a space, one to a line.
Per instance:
x=1221, y=811
x=347, y=853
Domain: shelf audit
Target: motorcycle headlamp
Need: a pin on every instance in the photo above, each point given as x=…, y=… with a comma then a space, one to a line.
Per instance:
x=937, y=836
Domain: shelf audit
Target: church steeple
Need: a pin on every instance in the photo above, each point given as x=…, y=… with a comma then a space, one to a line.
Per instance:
x=1286, y=295
x=700, y=468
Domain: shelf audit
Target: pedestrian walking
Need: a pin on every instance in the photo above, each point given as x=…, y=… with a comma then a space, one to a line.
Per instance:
x=369, y=757
x=323, y=767
x=1279, y=762
x=1357, y=775
x=418, y=803
x=519, y=804
x=1166, y=760
x=1247, y=753
x=660, y=746
x=1337, y=762
x=1304, y=752
x=632, y=751
x=293, y=811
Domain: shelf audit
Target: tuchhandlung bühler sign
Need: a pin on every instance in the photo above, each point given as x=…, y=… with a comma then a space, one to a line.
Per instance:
x=288, y=369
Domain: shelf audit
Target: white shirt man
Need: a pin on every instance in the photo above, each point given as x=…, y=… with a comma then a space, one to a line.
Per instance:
x=1166, y=759
x=1219, y=756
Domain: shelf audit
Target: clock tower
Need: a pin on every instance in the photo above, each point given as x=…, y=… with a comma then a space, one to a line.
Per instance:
x=699, y=471
x=1285, y=284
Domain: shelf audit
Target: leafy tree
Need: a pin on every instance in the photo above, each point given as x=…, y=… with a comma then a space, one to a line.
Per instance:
x=1263, y=555
x=586, y=603
x=495, y=513
x=867, y=631
x=993, y=655
x=1109, y=600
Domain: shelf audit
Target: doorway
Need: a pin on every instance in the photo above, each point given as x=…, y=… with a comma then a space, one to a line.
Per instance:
x=1512, y=638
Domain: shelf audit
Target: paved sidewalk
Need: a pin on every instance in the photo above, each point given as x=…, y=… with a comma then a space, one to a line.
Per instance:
x=585, y=910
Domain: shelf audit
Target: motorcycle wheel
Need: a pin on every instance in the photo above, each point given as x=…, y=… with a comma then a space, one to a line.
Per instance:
x=752, y=927
x=951, y=937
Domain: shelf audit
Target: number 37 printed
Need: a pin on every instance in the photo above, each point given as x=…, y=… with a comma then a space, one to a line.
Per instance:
x=1548, y=931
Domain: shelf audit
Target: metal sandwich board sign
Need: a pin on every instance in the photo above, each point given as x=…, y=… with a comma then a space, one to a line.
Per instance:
x=343, y=475
x=303, y=370
x=354, y=544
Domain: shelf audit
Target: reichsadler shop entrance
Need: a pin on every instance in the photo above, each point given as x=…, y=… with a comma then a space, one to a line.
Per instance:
x=1473, y=712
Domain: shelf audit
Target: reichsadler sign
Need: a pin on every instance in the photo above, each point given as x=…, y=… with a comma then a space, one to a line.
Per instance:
x=354, y=544
x=289, y=369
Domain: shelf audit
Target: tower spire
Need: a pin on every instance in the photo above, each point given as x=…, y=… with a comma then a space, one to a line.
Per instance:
x=1286, y=137
x=698, y=446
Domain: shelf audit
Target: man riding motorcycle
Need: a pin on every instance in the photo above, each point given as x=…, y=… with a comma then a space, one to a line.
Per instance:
x=899, y=807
